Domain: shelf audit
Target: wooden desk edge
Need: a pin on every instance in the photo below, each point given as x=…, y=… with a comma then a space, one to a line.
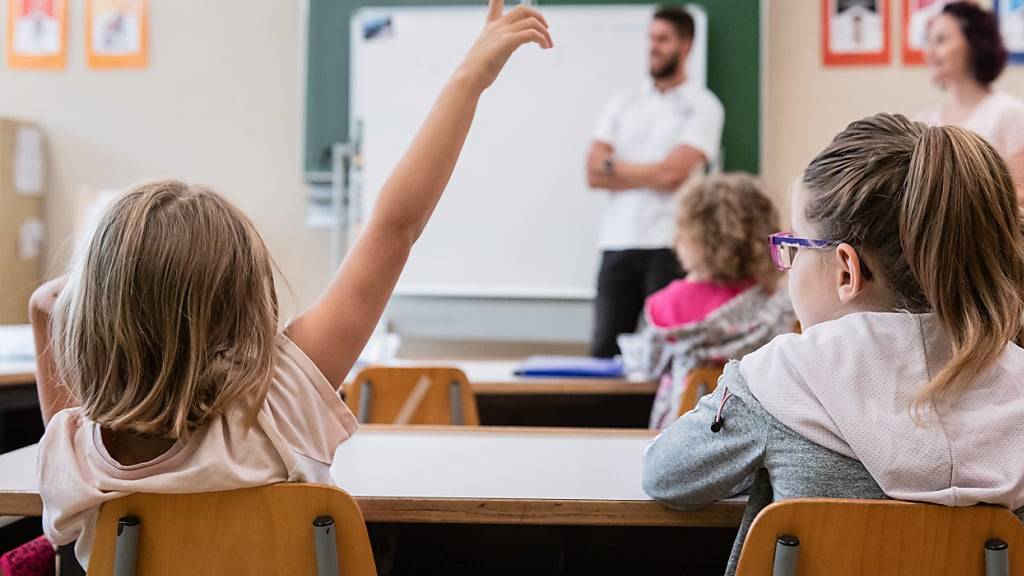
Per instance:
x=20, y=504
x=17, y=379
x=727, y=514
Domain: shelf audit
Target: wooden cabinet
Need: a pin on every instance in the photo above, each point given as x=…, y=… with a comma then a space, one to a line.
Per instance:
x=22, y=190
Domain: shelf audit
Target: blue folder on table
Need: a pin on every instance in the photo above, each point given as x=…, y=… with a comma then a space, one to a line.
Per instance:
x=570, y=367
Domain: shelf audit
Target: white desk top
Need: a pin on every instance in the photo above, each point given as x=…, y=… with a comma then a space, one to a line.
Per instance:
x=17, y=367
x=498, y=377
x=504, y=463
x=486, y=377
x=17, y=359
x=472, y=475
x=17, y=371
x=18, y=478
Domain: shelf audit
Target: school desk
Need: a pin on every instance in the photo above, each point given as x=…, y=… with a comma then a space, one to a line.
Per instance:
x=472, y=475
x=498, y=377
x=17, y=384
x=505, y=399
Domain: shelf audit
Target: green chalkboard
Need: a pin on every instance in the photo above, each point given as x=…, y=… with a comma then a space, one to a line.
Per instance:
x=734, y=74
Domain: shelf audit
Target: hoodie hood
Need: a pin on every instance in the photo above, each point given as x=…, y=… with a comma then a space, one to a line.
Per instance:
x=849, y=385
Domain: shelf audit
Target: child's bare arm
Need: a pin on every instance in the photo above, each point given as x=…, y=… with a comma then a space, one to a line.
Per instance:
x=54, y=396
x=334, y=330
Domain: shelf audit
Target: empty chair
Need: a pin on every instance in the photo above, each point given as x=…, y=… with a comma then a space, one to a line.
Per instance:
x=412, y=395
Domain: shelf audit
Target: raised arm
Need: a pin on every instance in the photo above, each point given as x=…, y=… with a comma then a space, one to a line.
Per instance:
x=54, y=396
x=336, y=327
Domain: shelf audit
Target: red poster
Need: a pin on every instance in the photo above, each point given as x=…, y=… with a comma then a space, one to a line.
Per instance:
x=855, y=32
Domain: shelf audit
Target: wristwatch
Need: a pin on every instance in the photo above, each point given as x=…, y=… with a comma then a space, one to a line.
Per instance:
x=609, y=166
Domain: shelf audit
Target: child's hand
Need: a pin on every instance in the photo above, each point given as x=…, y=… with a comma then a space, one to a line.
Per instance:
x=500, y=38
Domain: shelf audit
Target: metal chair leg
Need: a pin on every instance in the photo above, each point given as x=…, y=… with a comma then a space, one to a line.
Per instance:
x=455, y=397
x=997, y=558
x=326, y=546
x=365, y=401
x=126, y=549
x=787, y=552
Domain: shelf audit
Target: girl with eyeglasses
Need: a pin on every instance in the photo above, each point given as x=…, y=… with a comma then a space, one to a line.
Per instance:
x=906, y=271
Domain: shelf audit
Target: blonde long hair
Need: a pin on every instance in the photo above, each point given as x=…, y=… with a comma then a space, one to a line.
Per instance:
x=170, y=313
x=935, y=213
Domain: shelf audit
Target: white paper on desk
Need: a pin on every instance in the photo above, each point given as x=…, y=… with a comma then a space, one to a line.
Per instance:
x=30, y=239
x=28, y=161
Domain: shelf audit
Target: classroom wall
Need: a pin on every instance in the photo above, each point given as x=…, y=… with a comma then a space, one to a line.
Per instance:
x=806, y=104
x=220, y=104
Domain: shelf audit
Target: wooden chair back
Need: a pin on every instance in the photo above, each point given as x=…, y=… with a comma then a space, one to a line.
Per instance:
x=412, y=395
x=264, y=530
x=880, y=537
x=701, y=381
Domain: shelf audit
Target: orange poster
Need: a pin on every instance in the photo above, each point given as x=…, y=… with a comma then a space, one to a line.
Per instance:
x=117, y=33
x=36, y=33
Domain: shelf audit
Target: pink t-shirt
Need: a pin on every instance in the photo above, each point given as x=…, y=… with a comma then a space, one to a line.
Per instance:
x=296, y=434
x=683, y=301
x=999, y=119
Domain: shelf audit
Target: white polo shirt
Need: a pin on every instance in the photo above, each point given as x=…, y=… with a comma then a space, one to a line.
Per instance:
x=643, y=125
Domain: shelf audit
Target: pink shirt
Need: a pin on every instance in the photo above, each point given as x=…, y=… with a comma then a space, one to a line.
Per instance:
x=296, y=434
x=999, y=119
x=683, y=301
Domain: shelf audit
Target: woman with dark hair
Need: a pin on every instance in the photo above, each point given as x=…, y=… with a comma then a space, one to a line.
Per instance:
x=965, y=55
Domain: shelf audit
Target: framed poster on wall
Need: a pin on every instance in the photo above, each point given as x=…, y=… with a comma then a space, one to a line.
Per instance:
x=1011, y=26
x=916, y=16
x=855, y=32
x=36, y=33
x=116, y=33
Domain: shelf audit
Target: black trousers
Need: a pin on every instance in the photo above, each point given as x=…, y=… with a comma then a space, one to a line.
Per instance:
x=626, y=279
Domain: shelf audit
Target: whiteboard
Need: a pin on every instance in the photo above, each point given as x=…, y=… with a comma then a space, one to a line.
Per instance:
x=518, y=219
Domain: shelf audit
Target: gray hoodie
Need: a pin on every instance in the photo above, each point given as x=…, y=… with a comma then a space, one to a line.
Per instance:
x=827, y=414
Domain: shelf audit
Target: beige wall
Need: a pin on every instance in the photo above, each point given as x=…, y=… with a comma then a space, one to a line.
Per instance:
x=220, y=104
x=806, y=104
